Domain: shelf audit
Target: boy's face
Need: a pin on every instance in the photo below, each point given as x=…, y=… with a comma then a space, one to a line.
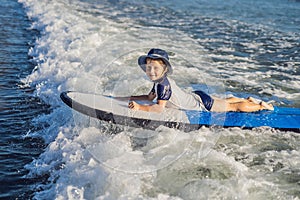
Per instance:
x=155, y=69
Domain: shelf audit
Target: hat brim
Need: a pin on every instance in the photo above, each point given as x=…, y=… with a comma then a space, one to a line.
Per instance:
x=142, y=62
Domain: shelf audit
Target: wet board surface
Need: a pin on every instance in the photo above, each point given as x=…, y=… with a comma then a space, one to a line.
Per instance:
x=116, y=111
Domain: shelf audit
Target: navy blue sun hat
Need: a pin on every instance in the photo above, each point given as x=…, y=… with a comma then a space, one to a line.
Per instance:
x=156, y=54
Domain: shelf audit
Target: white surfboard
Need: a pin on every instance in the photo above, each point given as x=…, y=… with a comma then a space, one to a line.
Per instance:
x=116, y=111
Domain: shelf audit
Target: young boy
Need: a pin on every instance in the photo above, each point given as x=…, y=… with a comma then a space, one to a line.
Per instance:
x=157, y=67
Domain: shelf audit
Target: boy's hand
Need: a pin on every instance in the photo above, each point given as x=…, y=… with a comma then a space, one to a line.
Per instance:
x=133, y=105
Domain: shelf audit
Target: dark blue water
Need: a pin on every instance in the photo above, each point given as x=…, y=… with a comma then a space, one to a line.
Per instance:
x=17, y=104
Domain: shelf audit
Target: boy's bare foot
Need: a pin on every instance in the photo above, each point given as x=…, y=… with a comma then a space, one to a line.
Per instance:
x=253, y=100
x=267, y=106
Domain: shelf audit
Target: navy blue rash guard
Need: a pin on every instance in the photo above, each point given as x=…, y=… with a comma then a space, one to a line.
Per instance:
x=167, y=89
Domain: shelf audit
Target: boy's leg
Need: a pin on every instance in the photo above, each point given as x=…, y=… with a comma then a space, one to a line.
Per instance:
x=247, y=107
x=223, y=105
x=219, y=105
x=235, y=100
x=250, y=106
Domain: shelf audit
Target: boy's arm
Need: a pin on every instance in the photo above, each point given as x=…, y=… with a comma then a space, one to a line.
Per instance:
x=159, y=107
x=148, y=97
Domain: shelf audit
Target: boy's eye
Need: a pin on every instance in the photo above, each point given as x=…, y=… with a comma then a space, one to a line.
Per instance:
x=148, y=68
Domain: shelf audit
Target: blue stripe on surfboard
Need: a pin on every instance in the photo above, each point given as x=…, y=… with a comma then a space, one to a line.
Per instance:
x=287, y=111
x=279, y=118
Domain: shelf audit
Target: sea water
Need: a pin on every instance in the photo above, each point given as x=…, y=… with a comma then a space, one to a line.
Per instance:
x=226, y=48
x=18, y=105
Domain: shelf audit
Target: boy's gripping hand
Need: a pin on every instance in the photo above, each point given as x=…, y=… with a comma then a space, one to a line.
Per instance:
x=133, y=105
x=159, y=107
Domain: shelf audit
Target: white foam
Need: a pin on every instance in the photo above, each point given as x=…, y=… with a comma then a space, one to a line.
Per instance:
x=79, y=49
